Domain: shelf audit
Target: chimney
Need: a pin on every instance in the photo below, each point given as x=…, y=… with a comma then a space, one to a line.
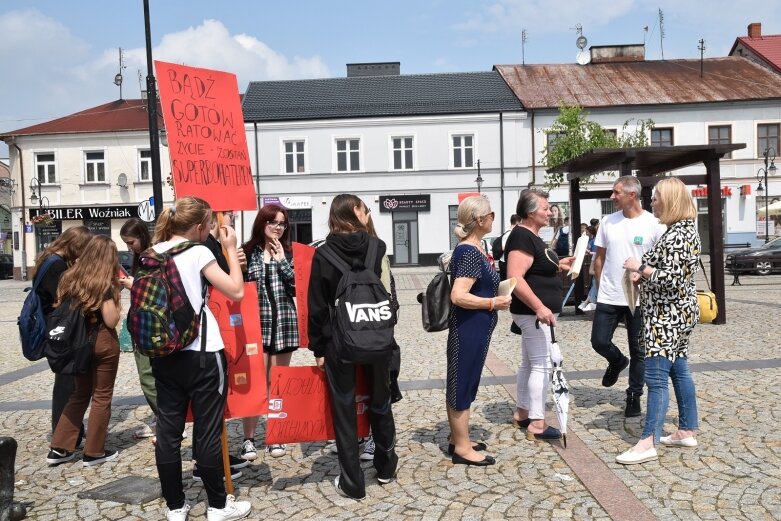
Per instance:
x=755, y=30
x=373, y=69
x=617, y=53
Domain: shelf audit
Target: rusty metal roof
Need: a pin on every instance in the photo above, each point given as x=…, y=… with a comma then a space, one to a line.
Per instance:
x=641, y=83
x=115, y=116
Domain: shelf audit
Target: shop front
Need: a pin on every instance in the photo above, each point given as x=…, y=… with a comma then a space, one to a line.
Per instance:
x=404, y=210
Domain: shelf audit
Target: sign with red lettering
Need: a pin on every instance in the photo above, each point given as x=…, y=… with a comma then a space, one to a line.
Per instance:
x=302, y=262
x=206, y=137
x=300, y=406
x=239, y=324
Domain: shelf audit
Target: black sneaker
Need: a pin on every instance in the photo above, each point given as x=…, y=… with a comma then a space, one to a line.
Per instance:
x=613, y=370
x=235, y=474
x=57, y=456
x=632, y=405
x=91, y=461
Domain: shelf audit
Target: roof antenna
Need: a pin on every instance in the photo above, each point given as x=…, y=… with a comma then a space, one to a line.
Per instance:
x=701, y=48
x=583, y=58
x=118, y=77
x=661, y=31
x=523, y=46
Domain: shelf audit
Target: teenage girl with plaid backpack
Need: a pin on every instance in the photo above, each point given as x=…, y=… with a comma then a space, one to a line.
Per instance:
x=185, y=377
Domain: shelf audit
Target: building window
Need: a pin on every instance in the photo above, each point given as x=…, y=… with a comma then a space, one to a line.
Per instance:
x=95, y=167
x=463, y=151
x=607, y=207
x=144, y=165
x=767, y=136
x=348, y=155
x=294, y=157
x=720, y=135
x=451, y=223
x=662, y=137
x=402, y=153
x=552, y=138
x=46, y=168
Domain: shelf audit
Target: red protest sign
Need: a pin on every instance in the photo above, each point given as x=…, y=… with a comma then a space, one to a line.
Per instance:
x=239, y=324
x=206, y=137
x=302, y=262
x=300, y=406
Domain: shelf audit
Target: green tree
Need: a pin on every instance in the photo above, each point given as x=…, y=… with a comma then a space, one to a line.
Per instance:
x=573, y=135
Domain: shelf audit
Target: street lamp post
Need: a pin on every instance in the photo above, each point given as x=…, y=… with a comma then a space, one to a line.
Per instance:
x=770, y=156
x=479, y=179
x=35, y=194
x=154, y=137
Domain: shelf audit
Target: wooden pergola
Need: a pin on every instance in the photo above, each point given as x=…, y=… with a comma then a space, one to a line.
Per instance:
x=648, y=163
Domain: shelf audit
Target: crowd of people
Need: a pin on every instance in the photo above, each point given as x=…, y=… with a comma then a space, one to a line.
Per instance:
x=659, y=253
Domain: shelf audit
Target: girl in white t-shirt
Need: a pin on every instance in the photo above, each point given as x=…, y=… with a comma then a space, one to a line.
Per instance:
x=185, y=377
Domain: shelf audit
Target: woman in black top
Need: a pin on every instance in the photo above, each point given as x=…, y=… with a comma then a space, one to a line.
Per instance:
x=67, y=248
x=349, y=238
x=536, y=304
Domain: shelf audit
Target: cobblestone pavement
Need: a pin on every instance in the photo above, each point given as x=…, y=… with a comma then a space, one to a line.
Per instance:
x=733, y=474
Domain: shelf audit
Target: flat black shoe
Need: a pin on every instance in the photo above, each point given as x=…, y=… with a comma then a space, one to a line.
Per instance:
x=549, y=434
x=613, y=370
x=451, y=449
x=521, y=424
x=459, y=460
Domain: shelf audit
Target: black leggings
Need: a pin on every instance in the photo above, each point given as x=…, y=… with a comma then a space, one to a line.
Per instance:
x=180, y=382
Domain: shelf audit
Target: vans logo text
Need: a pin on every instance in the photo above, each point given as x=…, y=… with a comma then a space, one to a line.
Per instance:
x=369, y=312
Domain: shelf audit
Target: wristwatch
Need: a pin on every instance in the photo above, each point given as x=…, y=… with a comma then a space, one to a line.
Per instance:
x=641, y=269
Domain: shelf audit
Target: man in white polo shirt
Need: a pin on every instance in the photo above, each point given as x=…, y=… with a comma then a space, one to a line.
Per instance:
x=629, y=232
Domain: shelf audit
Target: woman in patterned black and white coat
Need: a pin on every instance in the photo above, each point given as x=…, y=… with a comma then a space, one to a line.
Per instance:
x=668, y=301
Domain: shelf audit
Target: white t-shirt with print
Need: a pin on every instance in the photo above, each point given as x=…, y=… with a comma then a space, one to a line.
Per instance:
x=623, y=238
x=190, y=263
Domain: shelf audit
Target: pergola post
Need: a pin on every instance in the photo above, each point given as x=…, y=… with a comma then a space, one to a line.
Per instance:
x=716, y=234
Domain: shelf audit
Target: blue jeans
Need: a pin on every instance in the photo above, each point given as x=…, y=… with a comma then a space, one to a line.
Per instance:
x=657, y=370
x=606, y=319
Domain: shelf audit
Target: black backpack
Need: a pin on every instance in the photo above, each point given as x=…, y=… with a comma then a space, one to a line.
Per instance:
x=436, y=303
x=69, y=344
x=362, y=316
x=32, y=321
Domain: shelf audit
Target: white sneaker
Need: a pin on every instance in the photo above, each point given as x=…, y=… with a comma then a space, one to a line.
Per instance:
x=248, y=451
x=368, y=450
x=691, y=441
x=180, y=514
x=233, y=510
x=631, y=457
x=277, y=450
x=147, y=431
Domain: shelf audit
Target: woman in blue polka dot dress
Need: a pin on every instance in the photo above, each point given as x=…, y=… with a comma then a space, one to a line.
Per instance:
x=474, y=283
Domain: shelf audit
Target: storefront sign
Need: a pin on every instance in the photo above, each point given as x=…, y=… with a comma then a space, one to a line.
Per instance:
x=99, y=226
x=78, y=213
x=403, y=203
x=290, y=203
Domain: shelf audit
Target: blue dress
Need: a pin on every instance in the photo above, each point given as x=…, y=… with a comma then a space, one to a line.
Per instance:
x=469, y=329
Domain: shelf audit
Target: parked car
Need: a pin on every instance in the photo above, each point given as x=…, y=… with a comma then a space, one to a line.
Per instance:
x=126, y=260
x=444, y=259
x=762, y=260
x=6, y=266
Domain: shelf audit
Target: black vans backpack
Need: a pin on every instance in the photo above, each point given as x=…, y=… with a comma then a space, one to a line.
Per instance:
x=69, y=342
x=435, y=303
x=32, y=321
x=362, y=316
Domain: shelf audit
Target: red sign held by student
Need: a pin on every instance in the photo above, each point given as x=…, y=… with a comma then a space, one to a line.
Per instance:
x=300, y=406
x=302, y=262
x=206, y=137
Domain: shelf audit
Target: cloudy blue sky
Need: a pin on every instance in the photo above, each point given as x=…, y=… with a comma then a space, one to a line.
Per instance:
x=61, y=56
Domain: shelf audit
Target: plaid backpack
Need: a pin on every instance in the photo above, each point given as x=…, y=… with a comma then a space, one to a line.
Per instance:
x=161, y=319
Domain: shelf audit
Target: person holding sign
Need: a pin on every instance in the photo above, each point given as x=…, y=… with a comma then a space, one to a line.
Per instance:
x=186, y=376
x=270, y=264
x=350, y=240
x=536, y=305
x=473, y=316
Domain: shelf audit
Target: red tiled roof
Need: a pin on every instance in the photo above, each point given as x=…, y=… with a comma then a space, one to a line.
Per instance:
x=641, y=83
x=768, y=48
x=110, y=117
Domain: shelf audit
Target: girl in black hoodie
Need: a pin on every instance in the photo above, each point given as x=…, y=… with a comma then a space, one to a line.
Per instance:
x=348, y=236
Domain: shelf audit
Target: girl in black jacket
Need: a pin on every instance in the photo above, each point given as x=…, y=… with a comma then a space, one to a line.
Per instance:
x=348, y=236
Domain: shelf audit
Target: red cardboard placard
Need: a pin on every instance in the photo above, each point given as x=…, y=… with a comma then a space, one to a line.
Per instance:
x=206, y=137
x=300, y=406
x=302, y=263
x=240, y=329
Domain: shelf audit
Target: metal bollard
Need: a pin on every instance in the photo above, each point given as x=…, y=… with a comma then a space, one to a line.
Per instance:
x=9, y=511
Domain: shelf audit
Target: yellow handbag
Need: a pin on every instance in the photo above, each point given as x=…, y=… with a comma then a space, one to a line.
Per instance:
x=706, y=300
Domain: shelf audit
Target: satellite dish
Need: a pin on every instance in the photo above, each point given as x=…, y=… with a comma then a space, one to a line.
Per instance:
x=581, y=42
x=583, y=58
x=122, y=180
